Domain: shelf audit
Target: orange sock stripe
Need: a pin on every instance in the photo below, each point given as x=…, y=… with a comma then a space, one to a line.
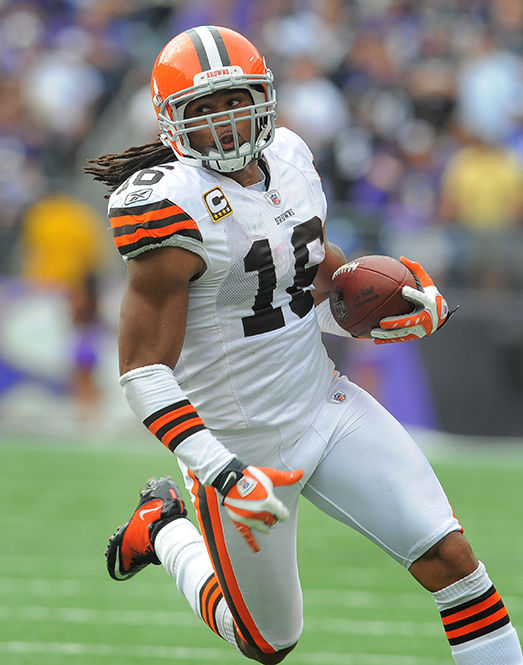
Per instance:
x=204, y=593
x=210, y=595
x=212, y=603
x=476, y=625
x=471, y=611
x=207, y=510
x=475, y=618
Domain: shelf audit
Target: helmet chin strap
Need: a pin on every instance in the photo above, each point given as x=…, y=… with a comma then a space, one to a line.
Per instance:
x=210, y=161
x=226, y=165
x=166, y=141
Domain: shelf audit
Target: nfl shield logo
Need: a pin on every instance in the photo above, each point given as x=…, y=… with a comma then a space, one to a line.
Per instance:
x=246, y=485
x=274, y=197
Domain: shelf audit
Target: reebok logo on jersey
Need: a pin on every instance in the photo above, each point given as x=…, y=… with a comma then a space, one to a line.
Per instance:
x=135, y=197
x=217, y=204
x=338, y=396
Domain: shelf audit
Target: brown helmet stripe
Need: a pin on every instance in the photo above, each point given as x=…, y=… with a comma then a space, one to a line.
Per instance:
x=210, y=47
x=222, y=49
x=200, y=49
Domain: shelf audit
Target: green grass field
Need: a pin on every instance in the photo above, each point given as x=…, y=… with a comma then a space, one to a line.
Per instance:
x=58, y=605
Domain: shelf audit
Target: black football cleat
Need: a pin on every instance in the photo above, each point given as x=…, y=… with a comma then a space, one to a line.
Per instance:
x=131, y=547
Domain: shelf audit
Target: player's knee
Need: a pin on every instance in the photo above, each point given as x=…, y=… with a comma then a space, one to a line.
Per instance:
x=266, y=658
x=448, y=561
x=277, y=656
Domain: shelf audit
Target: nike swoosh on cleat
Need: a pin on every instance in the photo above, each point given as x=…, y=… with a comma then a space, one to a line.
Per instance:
x=146, y=510
x=117, y=566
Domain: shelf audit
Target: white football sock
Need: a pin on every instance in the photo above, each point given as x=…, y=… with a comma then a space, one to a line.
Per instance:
x=182, y=552
x=476, y=622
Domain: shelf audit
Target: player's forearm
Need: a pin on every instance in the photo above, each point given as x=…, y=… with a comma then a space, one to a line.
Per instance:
x=159, y=402
x=327, y=322
x=334, y=258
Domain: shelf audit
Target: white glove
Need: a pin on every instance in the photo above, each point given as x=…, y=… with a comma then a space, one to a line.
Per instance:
x=250, y=502
x=430, y=313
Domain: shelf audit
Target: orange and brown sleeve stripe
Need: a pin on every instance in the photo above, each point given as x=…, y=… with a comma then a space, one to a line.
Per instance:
x=174, y=423
x=151, y=224
x=475, y=618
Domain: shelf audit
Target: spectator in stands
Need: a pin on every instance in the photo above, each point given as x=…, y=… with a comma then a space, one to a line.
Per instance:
x=482, y=196
x=380, y=68
x=63, y=249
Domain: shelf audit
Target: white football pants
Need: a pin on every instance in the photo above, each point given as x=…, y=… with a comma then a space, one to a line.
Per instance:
x=360, y=467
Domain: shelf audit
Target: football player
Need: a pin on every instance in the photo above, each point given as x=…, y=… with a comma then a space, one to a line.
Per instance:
x=221, y=223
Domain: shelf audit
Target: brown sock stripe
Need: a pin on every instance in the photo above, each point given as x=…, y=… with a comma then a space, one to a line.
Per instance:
x=210, y=596
x=475, y=618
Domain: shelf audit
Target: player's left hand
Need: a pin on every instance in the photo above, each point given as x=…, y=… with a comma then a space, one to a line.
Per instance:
x=430, y=313
x=252, y=504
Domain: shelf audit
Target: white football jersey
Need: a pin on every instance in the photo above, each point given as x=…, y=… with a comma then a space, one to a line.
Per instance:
x=252, y=355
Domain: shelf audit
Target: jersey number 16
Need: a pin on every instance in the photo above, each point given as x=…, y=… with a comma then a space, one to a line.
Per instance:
x=259, y=259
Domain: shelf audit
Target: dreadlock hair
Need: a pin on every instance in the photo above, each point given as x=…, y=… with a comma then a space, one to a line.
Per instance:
x=114, y=169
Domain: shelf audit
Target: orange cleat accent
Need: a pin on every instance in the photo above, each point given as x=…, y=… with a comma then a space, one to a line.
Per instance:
x=131, y=547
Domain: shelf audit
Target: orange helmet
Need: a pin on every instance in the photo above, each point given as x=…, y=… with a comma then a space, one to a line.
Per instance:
x=201, y=61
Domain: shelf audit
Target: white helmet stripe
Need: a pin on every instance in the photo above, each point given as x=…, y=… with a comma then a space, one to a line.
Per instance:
x=211, y=52
x=222, y=49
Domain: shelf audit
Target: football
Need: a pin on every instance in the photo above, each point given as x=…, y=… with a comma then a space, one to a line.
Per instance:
x=368, y=289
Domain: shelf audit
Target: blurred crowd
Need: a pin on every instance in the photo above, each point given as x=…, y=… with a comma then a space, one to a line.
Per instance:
x=413, y=109
x=414, y=112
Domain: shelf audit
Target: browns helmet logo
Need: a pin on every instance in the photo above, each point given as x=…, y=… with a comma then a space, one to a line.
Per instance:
x=199, y=62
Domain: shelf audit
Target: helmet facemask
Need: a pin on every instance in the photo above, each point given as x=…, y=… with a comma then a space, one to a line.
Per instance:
x=176, y=129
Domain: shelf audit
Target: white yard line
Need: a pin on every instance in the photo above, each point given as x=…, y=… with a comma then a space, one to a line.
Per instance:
x=346, y=597
x=81, y=615
x=340, y=626
x=172, y=654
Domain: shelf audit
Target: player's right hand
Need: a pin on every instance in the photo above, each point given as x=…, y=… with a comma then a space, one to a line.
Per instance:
x=252, y=504
x=430, y=313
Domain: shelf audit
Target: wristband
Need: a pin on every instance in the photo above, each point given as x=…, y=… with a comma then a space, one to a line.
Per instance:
x=228, y=478
x=157, y=399
x=327, y=322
